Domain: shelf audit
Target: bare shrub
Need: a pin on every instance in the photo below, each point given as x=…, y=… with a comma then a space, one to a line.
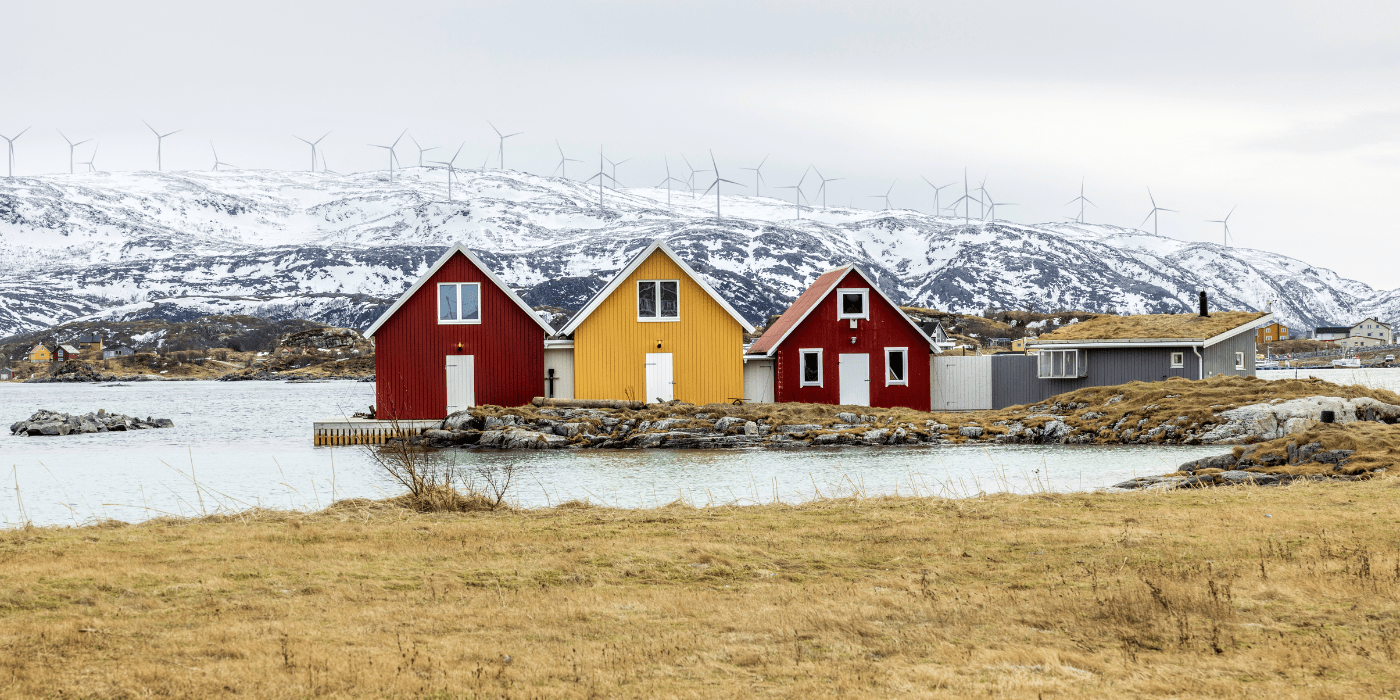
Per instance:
x=435, y=483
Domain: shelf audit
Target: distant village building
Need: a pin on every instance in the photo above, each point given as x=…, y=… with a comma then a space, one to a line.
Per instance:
x=1371, y=328
x=1020, y=344
x=1271, y=333
x=65, y=353
x=40, y=353
x=119, y=351
x=1368, y=333
x=6, y=374
x=1331, y=332
x=1359, y=341
x=90, y=342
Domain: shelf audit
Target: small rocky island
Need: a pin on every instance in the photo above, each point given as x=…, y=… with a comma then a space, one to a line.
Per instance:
x=55, y=423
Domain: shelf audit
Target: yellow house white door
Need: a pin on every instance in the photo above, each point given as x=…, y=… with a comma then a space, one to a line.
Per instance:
x=660, y=386
x=461, y=382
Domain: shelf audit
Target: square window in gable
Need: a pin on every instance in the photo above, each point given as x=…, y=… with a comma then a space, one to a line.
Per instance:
x=852, y=303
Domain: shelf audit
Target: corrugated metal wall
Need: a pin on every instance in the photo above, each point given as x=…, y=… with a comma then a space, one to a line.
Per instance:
x=961, y=383
x=707, y=344
x=1016, y=380
x=758, y=381
x=886, y=328
x=411, y=350
x=561, y=360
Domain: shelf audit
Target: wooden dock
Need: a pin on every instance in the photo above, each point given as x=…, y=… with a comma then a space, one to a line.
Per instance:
x=365, y=431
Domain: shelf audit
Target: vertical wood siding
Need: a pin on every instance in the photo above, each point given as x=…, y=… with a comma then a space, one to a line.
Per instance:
x=1016, y=378
x=707, y=344
x=411, y=350
x=886, y=327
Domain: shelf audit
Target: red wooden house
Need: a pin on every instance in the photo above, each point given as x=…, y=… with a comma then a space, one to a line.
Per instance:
x=844, y=342
x=459, y=337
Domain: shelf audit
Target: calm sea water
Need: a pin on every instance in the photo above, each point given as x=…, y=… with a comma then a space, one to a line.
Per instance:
x=1372, y=378
x=249, y=443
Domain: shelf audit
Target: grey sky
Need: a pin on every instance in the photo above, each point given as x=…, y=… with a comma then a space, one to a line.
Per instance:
x=1289, y=110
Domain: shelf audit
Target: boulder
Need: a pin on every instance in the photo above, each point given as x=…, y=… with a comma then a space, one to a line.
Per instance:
x=848, y=417
x=1266, y=421
x=750, y=428
x=970, y=431
x=724, y=424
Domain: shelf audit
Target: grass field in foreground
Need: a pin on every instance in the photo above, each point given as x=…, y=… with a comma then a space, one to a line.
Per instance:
x=1231, y=592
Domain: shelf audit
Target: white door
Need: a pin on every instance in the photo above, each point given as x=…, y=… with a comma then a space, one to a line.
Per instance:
x=758, y=381
x=854, y=372
x=659, y=384
x=461, y=382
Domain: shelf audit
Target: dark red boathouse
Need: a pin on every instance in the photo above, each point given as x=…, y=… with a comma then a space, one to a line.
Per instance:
x=844, y=342
x=459, y=337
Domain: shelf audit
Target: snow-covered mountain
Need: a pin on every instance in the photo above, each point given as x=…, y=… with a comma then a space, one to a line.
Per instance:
x=339, y=248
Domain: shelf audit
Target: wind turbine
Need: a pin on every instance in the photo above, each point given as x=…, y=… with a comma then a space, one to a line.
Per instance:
x=503, y=138
x=758, y=176
x=822, y=190
x=422, y=150
x=1226, y=223
x=614, y=167
x=10, y=149
x=936, y=191
x=217, y=162
x=563, y=161
x=693, y=172
x=160, y=139
x=602, y=174
x=312, y=144
x=715, y=185
x=966, y=200
x=71, y=146
x=393, y=157
x=1153, y=214
x=451, y=169
x=667, y=182
x=797, y=196
x=993, y=204
x=885, y=196
x=1082, y=200
x=92, y=159
x=983, y=198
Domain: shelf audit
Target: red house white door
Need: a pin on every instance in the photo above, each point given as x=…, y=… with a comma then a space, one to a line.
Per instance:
x=461, y=382
x=854, y=376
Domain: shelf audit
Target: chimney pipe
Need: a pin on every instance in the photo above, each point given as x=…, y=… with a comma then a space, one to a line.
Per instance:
x=1204, y=312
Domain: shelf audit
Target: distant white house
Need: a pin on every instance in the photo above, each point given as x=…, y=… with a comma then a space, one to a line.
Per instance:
x=1371, y=328
x=1331, y=333
x=1366, y=334
x=1359, y=341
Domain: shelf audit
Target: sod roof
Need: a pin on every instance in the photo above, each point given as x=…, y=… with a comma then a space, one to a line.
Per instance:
x=1153, y=327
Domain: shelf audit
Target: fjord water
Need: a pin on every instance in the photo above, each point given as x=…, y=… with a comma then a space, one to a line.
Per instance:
x=249, y=443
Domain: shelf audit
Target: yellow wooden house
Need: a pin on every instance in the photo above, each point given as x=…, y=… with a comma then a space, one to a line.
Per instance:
x=40, y=353
x=658, y=332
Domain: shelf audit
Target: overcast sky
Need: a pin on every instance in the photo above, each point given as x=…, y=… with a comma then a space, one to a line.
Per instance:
x=1289, y=110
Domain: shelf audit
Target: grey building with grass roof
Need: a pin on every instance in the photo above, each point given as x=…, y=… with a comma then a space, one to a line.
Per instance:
x=1111, y=350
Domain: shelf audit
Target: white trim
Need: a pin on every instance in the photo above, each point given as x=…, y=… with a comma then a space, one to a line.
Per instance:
x=864, y=303
x=802, y=367
x=905, y=380
x=458, y=248
x=558, y=345
x=658, y=318
x=631, y=267
x=1081, y=364
x=1264, y=320
x=1178, y=359
x=1240, y=363
x=459, y=321
x=823, y=296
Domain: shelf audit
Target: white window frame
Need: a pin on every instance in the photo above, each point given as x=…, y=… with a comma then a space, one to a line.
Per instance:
x=1045, y=364
x=1178, y=360
x=899, y=382
x=1239, y=361
x=658, y=318
x=864, y=303
x=458, y=320
x=802, y=367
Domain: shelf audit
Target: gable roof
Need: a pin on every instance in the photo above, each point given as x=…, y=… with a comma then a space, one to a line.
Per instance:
x=1158, y=329
x=69, y=349
x=458, y=248
x=808, y=300
x=631, y=267
x=1372, y=319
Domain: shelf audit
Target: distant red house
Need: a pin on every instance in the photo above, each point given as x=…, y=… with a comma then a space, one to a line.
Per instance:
x=844, y=342
x=459, y=337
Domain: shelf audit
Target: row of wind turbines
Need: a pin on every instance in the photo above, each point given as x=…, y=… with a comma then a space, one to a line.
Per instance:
x=980, y=196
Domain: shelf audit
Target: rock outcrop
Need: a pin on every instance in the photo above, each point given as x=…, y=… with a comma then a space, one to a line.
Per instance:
x=1271, y=421
x=54, y=423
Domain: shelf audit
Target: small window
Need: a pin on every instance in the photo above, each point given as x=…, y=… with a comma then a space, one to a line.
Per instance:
x=1178, y=359
x=811, y=367
x=1239, y=360
x=852, y=303
x=896, y=366
x=1062, y=364
x=459, y=303
x=658, y=300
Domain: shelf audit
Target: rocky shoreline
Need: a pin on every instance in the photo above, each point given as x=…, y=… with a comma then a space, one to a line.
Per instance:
x=55, y=423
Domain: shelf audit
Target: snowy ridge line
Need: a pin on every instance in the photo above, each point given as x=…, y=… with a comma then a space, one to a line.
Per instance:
x=78, y=245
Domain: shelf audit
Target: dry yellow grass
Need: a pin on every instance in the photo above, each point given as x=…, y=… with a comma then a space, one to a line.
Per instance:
x=1235, y=592
x=1153, y=326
